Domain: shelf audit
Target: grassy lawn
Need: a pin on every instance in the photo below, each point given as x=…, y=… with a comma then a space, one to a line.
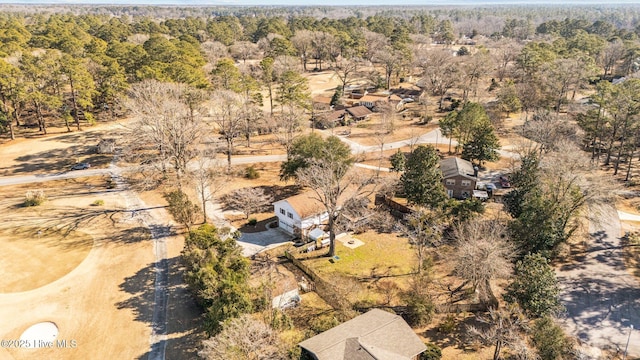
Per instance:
x=381, y=255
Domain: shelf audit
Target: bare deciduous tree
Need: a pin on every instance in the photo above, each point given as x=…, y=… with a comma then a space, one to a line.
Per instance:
x=504, y=327
x=331, y=179
x=288, y=124
x=424, y=230
x=483, y=253
x=248, y=200
x=207, y=177
x=244, y=50
x=302, y=41
x=346, y=69
x=228, y=112
x=439, y=70
x=244, y=338
x=373, y=43
x=168, y=119
x=504, y=55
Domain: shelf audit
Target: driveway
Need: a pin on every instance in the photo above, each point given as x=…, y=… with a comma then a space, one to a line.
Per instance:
x=601, y=297
x=253, y=243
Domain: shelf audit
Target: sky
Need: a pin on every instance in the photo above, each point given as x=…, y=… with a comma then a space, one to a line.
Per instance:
x=323, y=2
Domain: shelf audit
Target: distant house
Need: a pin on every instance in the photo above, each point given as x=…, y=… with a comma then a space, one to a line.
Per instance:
x=375, y=335
x=298, y=213
x=459, y=177
x=371, y=101
x=330, y=119
x=405, y=93
x=321, y=103
x=359, y=113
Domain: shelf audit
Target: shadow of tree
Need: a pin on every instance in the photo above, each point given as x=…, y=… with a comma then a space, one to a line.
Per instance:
x=58, y=159
x=456, y=336
x=183, y=315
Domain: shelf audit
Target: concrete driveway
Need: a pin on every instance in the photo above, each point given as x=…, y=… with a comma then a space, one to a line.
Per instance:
x=601, y=297
x=253, y=243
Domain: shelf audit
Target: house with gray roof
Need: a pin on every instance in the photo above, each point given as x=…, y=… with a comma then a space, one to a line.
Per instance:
x=459, y=177
x=375, y=335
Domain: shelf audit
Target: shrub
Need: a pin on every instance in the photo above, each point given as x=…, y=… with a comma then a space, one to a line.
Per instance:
x=323, y=323
x=420, y=309
x=34, y=198
x=182, y=209
x=251, y=173
x=550, y=340
x=98, y=203
x=252, y=222
x=433, y=352
x=448, y=326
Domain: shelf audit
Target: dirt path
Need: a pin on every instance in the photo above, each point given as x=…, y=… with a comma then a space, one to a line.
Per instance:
x=156, y=221
x=602, y=299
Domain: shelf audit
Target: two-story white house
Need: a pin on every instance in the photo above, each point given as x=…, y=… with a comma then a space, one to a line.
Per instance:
x=299, y=213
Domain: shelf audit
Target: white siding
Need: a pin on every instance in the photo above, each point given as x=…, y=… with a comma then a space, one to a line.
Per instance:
x=291, y=224
x=284, y=222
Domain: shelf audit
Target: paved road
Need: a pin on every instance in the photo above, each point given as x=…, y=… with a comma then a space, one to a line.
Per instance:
x=601, y=297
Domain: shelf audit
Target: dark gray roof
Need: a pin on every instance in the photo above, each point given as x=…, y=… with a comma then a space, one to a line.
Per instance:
x=455, y=166
x=376, y=335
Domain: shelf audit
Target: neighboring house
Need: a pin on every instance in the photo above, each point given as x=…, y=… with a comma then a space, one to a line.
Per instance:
x=375, y=335
x=321, y=103
x=405, y=93
x=459, y=177
x=359, y=113
x=297, y=214
x=330, y=119
x=371, y=101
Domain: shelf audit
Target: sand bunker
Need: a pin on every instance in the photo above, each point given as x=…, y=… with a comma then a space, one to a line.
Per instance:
x=39, y=335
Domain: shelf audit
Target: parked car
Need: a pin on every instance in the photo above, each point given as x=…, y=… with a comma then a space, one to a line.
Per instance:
x=504, y=182
x=81, y=166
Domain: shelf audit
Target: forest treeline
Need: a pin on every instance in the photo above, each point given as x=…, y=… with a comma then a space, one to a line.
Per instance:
x=76, y=65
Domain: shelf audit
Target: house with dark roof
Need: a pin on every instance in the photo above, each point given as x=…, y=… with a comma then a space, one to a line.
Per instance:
x=330, y=119
x=405, y=93
x=375, y=335
x=359, y=113
x=459, y=177
x=298, y=213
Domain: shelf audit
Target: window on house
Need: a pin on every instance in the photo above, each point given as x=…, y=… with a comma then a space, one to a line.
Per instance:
x=283, y=212
x=290, y=215
x=466, y=182
x=450, y=182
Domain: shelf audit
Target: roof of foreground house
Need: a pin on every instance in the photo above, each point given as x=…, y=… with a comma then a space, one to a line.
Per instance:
x=375, y=335
x=305, y=204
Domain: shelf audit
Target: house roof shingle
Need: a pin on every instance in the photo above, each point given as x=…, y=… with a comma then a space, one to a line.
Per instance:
x=334, y=115
x=376, y=335
x=305, y=204
x=454, y=166
x=373, y=98
x=322, y=100
x=359, y=111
